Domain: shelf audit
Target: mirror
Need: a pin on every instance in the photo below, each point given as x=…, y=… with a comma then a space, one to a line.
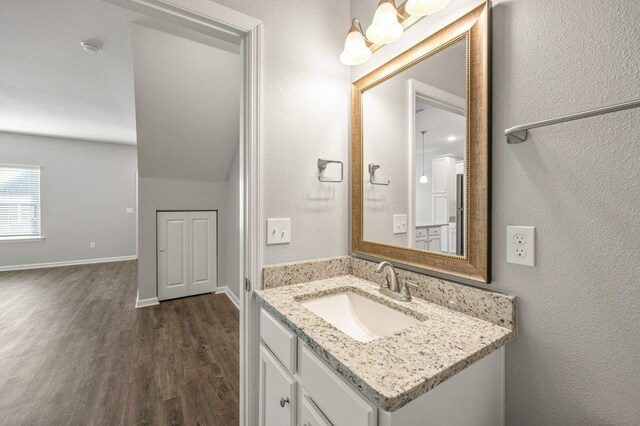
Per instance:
x=421, y=157
x=414, y=142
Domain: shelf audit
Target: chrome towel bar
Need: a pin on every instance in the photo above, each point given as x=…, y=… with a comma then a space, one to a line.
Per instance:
x=518, y=134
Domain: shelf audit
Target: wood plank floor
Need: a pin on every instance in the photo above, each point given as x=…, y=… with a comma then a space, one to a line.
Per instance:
x=75, y=351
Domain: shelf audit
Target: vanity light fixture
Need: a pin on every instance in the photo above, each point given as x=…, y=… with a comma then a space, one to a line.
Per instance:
x=356, y=51
x=423, y=178
x=385, y=27
x=389, y=22
x=424, y=7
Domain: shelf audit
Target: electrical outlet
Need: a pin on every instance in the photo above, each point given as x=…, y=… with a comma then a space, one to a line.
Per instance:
x=399, y=223
x=129, y=210
x=521, y=245
x=92, y=245
x=278, y=231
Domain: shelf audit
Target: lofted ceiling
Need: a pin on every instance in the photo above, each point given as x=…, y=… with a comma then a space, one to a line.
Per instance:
x=50, y=86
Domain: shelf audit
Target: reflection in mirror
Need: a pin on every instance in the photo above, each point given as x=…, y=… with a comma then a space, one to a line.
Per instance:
x=415, y=130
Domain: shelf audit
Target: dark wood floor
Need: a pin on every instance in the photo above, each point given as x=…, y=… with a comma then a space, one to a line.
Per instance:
x=75, y=351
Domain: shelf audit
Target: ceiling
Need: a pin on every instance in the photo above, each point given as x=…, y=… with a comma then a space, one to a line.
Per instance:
x=187, y=104
x=50, y=86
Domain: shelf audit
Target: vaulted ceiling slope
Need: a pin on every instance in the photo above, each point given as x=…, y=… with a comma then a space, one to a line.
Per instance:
x=187, y=91
x=50, y=86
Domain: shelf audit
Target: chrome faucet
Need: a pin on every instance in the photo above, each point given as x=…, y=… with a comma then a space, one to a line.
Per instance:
x=392, y=286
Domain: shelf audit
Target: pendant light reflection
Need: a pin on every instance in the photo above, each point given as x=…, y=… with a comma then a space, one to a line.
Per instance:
x=423, y=178
x=355, y=50
x=424, y=7
x=385, y=27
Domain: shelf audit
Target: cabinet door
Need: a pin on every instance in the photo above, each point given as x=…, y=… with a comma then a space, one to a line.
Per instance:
x=277, y=392
x=434, y=243
x=311, y=415
x=440, y=212
x=202, y=252
x=440, y=174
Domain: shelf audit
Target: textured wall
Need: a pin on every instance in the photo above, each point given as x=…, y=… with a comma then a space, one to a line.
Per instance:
x=86, y=188
x=576, y=358
x=306, y=115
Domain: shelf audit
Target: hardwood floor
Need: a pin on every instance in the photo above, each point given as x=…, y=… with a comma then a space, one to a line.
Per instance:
x=75, y=351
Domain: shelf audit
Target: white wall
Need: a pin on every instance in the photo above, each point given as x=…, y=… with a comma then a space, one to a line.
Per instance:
x=86, y=188
x=306, y=110
x=188, y=119
x=575, y=361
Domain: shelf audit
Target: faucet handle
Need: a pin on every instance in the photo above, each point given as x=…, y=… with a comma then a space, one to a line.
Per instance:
x=385, y=284
x=406, y=293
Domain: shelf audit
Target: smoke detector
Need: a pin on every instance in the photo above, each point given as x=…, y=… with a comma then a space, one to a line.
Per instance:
x=90, y=46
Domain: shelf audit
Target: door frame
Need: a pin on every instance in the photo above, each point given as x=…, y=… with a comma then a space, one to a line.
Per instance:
x=228, y=24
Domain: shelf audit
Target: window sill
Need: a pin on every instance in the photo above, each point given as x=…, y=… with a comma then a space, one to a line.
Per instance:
x=20, y=239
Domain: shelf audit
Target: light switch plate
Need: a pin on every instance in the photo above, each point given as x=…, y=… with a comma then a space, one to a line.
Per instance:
x=399, y=223
x=278, y=231
x=129, y=210
x=521, y=245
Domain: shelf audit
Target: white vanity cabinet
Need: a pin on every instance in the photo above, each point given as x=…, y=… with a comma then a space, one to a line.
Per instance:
x=308, y=392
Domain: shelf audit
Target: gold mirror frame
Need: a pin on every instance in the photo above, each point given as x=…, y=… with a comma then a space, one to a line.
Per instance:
x=475, y=265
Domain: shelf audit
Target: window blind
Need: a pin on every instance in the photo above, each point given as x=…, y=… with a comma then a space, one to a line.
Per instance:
x=19, y=201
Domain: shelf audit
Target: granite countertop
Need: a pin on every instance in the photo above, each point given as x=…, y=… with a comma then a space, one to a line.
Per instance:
x=394, y=370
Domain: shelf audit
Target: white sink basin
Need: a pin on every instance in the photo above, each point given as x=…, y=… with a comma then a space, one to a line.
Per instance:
x=359, y=317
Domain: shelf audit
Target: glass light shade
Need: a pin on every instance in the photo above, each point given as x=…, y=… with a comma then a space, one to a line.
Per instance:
x=355, y=49
x=424, y=7
x=385, y=27
x=423, y=179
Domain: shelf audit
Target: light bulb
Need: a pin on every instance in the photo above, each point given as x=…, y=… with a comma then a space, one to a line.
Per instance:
x=385, y=27
x=424, y=7
x=423, y=179
x=355, y=48
x=451, y=138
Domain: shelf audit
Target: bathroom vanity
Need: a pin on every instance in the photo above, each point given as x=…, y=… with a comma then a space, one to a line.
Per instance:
x=335, y=351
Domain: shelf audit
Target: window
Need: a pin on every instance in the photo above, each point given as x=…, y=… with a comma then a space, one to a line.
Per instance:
x=19, y=202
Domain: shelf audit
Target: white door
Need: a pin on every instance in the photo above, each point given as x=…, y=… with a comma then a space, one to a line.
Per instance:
x=277, y=392
x=203, y=252
x=173, y=255
x=186, y=253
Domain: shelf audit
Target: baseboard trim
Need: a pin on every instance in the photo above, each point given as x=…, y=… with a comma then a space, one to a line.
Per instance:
x=66, y=263
x=226, y=290
x=147, y=302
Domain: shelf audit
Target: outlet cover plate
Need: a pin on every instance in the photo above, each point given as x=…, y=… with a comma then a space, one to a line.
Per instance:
x=278, y=231
x=399, y=223
x=521, y=245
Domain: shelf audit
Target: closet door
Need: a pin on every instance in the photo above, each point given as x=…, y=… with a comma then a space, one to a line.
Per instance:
x=173, y=255
x=202, y=252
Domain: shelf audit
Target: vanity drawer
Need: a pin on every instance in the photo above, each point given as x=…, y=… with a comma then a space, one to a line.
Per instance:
x=281, y=341
x=341, y=404
x=421, y=232
x=435, y=231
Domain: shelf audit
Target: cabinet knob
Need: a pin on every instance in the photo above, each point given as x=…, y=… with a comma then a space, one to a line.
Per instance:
x=284, y=401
